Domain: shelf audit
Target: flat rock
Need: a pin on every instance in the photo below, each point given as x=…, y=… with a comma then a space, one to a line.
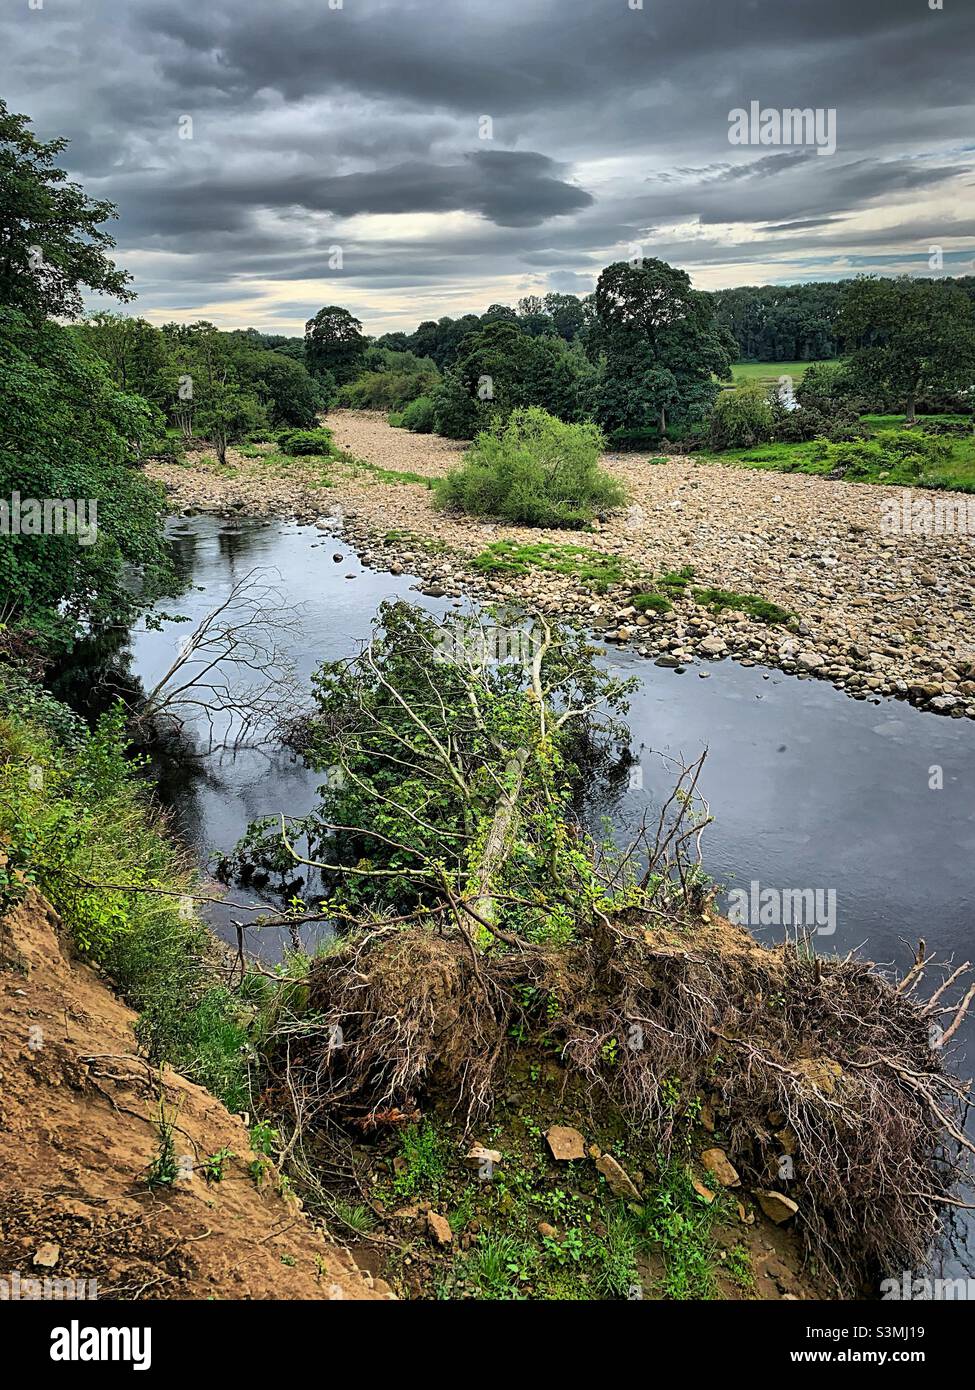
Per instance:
x=565, y=1143
x=478, y=1155
x=439, y=1228
x=716, y=1161
x=777, y=1206
x=621, y=1184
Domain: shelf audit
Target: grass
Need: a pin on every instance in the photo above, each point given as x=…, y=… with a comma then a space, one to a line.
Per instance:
x=592, y=567
x=421, y=1165
x=759, y=608
x=680, y=1223
x=386, y=475
x=769, y=372
x=956, y=471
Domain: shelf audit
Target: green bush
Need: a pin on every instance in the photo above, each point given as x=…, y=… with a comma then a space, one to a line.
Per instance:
x=300, y=442
x=73, y=817
x=905, y=454
x=535, y=470
x=456, y=414
x=742, y=417
x=386, y=390
x=418, y=416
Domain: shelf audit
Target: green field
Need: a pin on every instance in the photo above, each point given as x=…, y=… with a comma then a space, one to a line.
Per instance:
x=769, y=372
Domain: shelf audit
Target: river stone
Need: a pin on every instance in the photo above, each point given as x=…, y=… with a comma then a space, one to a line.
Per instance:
x=713, y=646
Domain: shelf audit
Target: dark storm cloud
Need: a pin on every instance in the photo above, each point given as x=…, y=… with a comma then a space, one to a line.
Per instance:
x=608, y=126
x=510, y=188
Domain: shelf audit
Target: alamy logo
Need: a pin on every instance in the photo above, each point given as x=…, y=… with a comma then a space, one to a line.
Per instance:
x=463, y=643
x=15, y=1287
x=923, y=1289
x=77, y=1343
x=813, y=909
x=50, y=516
x=791, y=126
x=913, y=515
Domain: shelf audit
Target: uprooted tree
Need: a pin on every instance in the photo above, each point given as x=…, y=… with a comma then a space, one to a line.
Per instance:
x=476, y=914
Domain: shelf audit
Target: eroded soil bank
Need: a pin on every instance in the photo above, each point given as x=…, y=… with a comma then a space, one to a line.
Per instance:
x=875, y=614
x=79, y=1134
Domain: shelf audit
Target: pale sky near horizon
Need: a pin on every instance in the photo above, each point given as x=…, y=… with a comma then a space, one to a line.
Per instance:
x=361, y=125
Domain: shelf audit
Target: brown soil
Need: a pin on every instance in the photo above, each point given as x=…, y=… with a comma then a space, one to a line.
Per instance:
x=78, y=1132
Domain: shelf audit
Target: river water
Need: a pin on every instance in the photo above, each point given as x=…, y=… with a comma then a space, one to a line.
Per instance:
x=809, y=788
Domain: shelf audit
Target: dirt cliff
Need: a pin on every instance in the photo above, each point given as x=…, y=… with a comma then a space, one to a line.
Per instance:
x=80, y=1131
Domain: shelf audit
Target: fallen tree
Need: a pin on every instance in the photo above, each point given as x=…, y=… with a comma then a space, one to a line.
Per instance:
x=480, y=918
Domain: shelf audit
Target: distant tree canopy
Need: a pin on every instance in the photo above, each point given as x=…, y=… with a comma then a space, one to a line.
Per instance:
x=909, y=336
x=783, y=323
x=770, y=323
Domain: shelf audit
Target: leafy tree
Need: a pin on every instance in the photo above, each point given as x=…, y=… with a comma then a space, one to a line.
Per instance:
x=661, y=347
x=502, y=369
x=135, y=353
x=227, y=415
x=68, y=433
x=51, y=238
x=567, y=314
x=910, y=336
x=216, y=398
x=334, y=343
x=288, y=392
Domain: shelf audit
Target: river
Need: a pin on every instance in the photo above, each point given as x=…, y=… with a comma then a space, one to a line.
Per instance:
x=809, y=789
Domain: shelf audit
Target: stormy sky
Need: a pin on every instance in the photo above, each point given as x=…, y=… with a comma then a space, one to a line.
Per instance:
x=413, y=158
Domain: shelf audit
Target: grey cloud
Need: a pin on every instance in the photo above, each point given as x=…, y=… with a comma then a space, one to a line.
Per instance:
x=610, y=126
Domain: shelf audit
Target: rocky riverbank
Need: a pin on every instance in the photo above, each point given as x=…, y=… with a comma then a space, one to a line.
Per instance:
x=875, y=614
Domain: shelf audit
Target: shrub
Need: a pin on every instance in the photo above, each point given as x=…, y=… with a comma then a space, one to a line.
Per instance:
x=295, y=442
x=800, y=426
x=386, y=390
x=456, y=414
x=84, y=821
x=904, y=453
x=418, y=416
x=742, y=417
x=535, y=470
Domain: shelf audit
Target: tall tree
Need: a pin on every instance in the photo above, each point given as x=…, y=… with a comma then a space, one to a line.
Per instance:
x=52, y=243
x=660, y=344
x=334, y=343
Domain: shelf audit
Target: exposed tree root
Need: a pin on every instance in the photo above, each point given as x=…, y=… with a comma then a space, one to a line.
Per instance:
x=826, y=1080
